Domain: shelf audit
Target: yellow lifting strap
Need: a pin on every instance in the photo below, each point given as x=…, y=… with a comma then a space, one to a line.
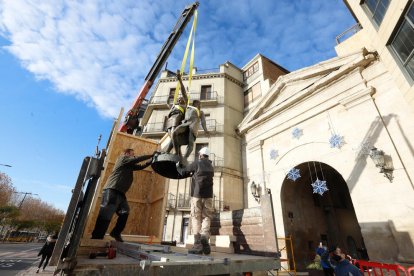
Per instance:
x=191, y=39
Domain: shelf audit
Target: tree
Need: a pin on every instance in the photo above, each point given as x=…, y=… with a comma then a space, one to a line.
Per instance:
x=6, y=189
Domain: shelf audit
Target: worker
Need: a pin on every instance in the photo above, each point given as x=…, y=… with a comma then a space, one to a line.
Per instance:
x=201, y=193
x=132, y=121
x=113, y=195
x=187, y=132
x=176, y=115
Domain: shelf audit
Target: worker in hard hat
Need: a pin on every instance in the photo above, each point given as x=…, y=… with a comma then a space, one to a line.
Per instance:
x=201, y=193
x=176, y=115
x=187, y=132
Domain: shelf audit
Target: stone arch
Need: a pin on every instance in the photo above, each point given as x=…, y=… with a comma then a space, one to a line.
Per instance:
x=311, y=218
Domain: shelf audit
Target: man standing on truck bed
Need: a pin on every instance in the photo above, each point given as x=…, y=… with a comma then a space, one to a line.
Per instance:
x=113, y=195
x=201, y=192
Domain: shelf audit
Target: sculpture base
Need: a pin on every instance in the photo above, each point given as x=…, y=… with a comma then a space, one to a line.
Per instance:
x=165, y=164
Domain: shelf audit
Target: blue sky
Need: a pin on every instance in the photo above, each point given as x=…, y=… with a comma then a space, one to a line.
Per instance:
x=67, y=68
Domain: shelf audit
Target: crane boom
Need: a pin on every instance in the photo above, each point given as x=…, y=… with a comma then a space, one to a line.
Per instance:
x=162, y=58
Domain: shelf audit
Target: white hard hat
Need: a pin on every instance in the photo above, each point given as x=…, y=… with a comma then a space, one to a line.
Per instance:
x=204, y=151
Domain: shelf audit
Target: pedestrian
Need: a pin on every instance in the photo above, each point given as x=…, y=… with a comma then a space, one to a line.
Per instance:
x=201, y=193
x=46, y=251
x=113, y=195
x=323, y=252
x=176, y=115
x=343, y=267
x=188, y=129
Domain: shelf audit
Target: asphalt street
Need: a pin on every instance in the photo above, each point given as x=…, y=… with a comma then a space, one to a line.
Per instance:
x=17, y=257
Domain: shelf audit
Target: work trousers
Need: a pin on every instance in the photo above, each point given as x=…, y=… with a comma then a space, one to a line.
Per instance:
x=201, y=214
x=112, y=201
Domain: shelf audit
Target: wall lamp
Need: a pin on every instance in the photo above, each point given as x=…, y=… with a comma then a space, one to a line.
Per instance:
x=256, y=191
x=382, y=161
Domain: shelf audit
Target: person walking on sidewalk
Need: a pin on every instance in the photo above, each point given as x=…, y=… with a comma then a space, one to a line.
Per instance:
x=113, y=195
x=201, y=193
x=47, y=251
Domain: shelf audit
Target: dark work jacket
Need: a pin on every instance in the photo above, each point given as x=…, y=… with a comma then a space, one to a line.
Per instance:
x=202, y=172
x=123, y=173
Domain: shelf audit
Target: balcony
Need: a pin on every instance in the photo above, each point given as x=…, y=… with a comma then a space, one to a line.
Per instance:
x=184, y=203
x=348, y=33
x=157, y=129
x=164, y=102
x=171, y=201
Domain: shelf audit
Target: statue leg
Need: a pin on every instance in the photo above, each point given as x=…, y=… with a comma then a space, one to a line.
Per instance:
x=171, y=144
x=190, y=146
x=177, y=139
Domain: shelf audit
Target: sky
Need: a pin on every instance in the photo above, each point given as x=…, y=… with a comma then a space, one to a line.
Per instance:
x=67, y=67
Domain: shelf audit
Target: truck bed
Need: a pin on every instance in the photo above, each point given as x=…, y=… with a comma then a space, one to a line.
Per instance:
x=144, y=259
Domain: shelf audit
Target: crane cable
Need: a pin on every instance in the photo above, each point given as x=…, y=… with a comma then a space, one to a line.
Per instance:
x=191, y=39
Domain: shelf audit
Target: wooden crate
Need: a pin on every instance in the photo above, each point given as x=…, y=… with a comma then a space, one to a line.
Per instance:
x=146, y=197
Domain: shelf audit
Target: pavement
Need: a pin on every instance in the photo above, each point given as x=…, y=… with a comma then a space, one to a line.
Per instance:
x=32, y=270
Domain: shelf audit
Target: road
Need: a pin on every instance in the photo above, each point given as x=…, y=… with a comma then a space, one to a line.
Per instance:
x=16, y=257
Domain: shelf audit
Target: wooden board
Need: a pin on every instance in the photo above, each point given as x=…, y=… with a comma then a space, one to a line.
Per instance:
x=146, y=197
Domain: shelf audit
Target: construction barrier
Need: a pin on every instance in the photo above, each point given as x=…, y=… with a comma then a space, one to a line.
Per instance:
x=378, y=269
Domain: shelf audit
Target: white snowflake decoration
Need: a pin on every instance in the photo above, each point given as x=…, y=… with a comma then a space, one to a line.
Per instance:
x=319, y=186
x=336, y=141
x=273, y=154
x=293, y=174
x=297, y=132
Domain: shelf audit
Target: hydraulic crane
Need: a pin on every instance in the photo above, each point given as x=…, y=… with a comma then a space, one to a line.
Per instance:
x=131, y=120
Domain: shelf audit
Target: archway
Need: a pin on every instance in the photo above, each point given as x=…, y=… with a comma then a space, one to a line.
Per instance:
x=311, y=218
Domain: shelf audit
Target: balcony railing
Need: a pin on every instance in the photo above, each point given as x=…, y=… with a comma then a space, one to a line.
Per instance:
x=212, y=126
x=184, y=202
x=348, y=33
x=203, y=97
x=171, y=201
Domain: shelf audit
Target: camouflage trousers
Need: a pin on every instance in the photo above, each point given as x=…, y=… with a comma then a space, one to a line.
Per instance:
x=201, y=214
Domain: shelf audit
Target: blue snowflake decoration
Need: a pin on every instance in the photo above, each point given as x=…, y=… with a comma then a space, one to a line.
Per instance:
x=319, y=186
x=273, y=154
x=293, y=174
x=297, y=132
x=336, y=141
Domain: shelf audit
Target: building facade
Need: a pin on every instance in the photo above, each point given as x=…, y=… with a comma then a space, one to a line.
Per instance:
x=348, y=123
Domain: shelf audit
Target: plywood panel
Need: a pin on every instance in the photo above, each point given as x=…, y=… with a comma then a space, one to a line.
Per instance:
x=146, y=197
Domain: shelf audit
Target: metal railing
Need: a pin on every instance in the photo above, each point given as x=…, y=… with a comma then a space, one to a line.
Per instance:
x=171, y=201
x=184, y=202
x=166, y=99
x=212, y=126
x=348, y=33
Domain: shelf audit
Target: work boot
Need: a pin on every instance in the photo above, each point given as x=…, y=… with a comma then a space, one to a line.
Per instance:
x=117, y=237
x=197, y=247
x=206, y=245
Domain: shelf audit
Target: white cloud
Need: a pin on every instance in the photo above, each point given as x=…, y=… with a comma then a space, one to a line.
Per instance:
x=100, y=51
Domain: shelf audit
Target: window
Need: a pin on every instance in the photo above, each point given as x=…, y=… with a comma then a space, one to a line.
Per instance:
x=251, y=70
x=171, y=96
x=377, y=9
x=403, y=42
x=205, y=92
x=252, y=94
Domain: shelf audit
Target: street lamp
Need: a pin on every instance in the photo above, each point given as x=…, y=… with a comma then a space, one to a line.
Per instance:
x=383, y=162
x=6, y=165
